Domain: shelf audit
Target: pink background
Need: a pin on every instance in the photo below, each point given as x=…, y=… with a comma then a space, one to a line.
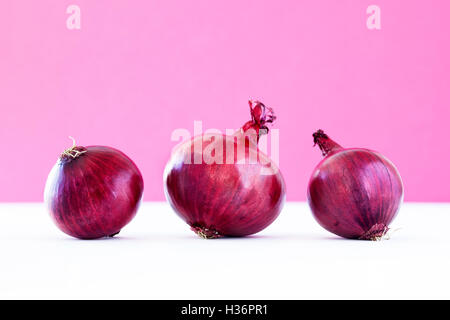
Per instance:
x=137, y=70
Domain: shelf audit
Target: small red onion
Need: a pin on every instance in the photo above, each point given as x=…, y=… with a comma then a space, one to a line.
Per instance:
x=354, y=193
x=93, y=191
x=229, y=195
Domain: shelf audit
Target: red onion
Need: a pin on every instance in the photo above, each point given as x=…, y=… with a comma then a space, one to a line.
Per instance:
x=221, y=186
x=354, y=193
x=93, y=191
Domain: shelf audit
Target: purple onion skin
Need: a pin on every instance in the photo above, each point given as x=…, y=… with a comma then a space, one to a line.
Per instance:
x=354, y=193
x=228, y=199
x=93, y=192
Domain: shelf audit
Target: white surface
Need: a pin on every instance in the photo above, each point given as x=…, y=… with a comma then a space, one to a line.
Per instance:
x=157, y=257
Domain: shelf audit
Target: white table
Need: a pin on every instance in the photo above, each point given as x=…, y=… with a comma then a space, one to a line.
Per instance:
x=157, y=257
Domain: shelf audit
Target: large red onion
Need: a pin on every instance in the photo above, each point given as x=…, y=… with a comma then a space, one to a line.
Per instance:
x=93, y=191
x=222, y=187
x=354, y=193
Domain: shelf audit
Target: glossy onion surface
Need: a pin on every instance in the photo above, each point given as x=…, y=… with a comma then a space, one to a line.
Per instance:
x=354, y=193
x=232, y=196
x=93, y=191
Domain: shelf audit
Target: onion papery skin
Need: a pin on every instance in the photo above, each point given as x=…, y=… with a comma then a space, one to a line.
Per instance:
x=231, y=198
x=354, y=193
x=93, y=192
